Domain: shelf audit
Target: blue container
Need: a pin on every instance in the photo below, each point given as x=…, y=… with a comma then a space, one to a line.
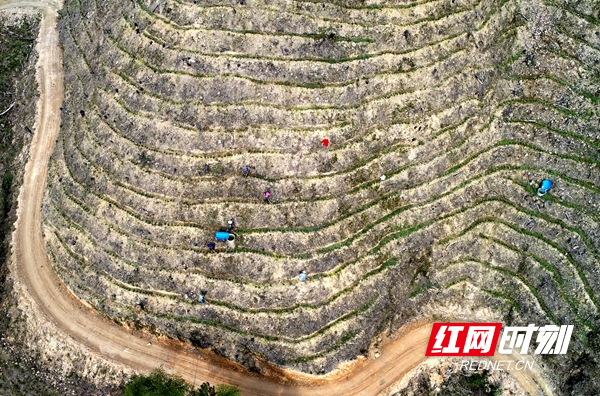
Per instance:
x=546, y=185
x=221, y=236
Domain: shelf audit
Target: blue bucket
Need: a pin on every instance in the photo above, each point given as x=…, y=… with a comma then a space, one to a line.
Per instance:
x=221, y=236
x=546, y=185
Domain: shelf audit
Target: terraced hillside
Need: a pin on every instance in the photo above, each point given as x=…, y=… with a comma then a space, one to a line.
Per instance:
x=464, y=105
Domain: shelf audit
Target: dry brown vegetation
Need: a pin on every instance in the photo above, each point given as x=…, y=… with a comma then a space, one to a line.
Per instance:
x=465, y=106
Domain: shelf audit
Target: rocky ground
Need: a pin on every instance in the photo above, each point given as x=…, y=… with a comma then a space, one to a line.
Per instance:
x=445, y=378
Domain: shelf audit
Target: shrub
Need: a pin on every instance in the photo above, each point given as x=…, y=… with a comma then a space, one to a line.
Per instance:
x=228, y=390
x=158, y=383
x=205, y=390
x=145, y=158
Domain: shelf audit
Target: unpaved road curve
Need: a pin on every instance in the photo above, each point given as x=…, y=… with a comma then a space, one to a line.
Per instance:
x=94, y=332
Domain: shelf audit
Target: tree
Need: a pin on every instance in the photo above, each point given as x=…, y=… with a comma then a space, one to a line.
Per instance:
x=158, y=383
x=204, y=390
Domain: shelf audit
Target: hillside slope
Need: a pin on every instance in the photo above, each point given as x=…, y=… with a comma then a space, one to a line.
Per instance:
x=464, y=106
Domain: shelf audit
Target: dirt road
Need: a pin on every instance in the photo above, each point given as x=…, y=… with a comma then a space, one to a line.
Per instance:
x=145, y=353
